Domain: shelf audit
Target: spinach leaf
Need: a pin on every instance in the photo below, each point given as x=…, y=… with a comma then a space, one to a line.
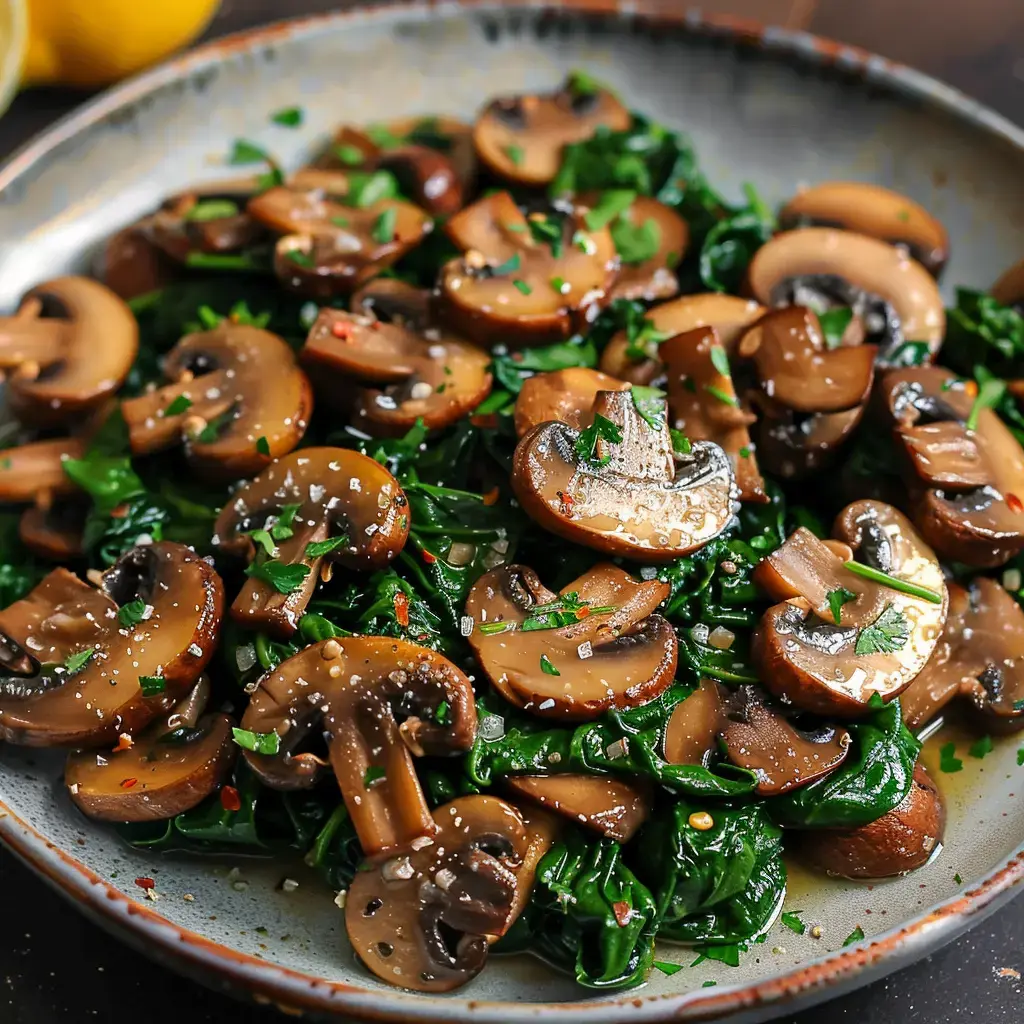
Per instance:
x=510, y=370
x=336, y=852
x=19, y=571
x=982, y=331
x=730, y=244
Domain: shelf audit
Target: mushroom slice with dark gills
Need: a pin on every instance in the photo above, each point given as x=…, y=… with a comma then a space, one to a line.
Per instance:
x=431, y=375
x=618, y=485
x=1009, y=289
x=889, y=610
x=425, y=920
x=521, y=138
x=893, y=299
x=378, y=702
x=304, y=513
x=524, y=281
x=70, y=674
x=394, y=301
x=873, y=211
x=237, y=401
x=168, y=768
x=597, y=645
x=965, y=467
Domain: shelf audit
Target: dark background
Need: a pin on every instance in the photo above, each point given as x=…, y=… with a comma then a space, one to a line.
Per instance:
x=56, y=968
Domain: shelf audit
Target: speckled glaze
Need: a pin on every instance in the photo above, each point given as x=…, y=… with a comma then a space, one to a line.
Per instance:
x=774, y=107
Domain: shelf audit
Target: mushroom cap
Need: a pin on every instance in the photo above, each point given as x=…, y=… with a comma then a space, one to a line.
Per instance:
x=62, y=617
x=644, y=502
x=873, y=211
x=82, y=335
x=653, y=278
x=876, y=267
x=38, y=468
x=509, y=287
x=130, y=265
x=521, y=138
x=234, y=370
x=55, y=533
x=1009, y=289
x=548, y=671
x=564, y=395
x=808, y=660
x=425, y=921
x=354, y=691
x=447, y=134
x=898, y=842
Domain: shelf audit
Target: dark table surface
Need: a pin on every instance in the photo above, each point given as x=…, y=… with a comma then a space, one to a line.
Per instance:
x=57, y=968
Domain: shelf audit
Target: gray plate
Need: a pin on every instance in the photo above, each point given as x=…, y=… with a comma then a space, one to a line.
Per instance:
x=777, y=109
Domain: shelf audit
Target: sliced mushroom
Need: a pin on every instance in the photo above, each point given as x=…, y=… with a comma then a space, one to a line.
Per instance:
x=239, y=400
x=1009, y=289
x=704, y=405
x=521, y=138
x=394, y=301
x=130, y=265
x=431, y=376
x=563, y=395
x=169, y=768
x=615, y=651
x=446, y=134
x=873, y=211
x=56, y=532
x=378, y=702
x=966, y=484
x=900, y=841
x=511, y=287
x=634, y=496
x=691, y=736
x=36, y=470
x=51, y=696
x=807, y=658
x=70, y=347
x=330, y=493
x=425, y=921
x=652, y=278
x=892, y=296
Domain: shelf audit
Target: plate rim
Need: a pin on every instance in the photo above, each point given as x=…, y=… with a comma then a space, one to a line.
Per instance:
x=297, y=991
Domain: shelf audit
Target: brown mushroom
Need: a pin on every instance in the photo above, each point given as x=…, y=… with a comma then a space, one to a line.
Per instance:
x=563, y=395
x=1009, y=289
x=237, y=401
x=378, y=702
x=965, y=470
x=884, y=635
x=312, y=496
x=425, y=920
x=691, y=736
x=795, y=446
x=57, y=532
x=35, y=470
x=900, y=841
x=517, y=289
x=628, y=493
x=394, y=301
x=893, y=297
x=74, y=676
x=130, y=265
x=431, y=376
x=614, y=651
x=873, y=211
x=704, y=406
x=168, y=768
x=653, y=277
x=521, y=138
x=70, y=347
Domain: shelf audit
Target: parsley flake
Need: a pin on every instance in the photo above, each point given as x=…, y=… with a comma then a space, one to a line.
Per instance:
x=680, y=442
x=834, y=324
x=257, y=742
x=289, y=117
x=132, y=613
x=719, y=360
x=650, y=404
x=373, y=774
x=515, y=154
x=76, y=662
x=667, y=968
x=836, y=599
x=263, y=446
x=990, y=393
x=855, y=936
x=980, y=747
x=722, y=396
x=245, y=152
x=442, y=713
x=349, y=155
x=636, y=243
x=152, y=686
x=948, y=761
x=285, y=578
x=547, y=667
x=791, y=919
x=521, y=286
x=383, y=229
x=180, y=404
x=212, y=209
x=610, y=204
x=601, y=429
x=888, y=633
x=319, y=548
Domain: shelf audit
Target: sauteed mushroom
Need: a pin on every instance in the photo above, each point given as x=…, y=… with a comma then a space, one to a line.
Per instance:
x=310, y=498
x=55, y=532
x=619, y=487
x=597, y=645
x=394, y=301
x=564, y=395
x=130, y=265
x=73, y=676
x=796, y=445
x=34, y=472
x=653, y=277
x=1009, y=289
x=691, y=736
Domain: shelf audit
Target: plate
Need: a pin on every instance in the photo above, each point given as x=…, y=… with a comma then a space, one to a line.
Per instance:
x=773, y=107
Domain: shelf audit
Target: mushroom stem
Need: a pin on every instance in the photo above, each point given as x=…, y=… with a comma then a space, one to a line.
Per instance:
x=151, y=428
x=22, y=339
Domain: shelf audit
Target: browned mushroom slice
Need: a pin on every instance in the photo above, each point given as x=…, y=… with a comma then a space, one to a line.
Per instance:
x=612, y=651
x=74, y=676
x=239, y=400
x=130, y=265
x=446, y=134
x=704, y=406
x=313, y=496
x=883, y=636
x=874, y=211
x=521, y=138
x=610, y=807
x=425, y=921
x=637, y=359
x=167, y=769
x=37, y=468
x=563, y=395
x=57, y=532
x=898, y=842
x=1009, y=289
x=394, y=301
x=967, y=481
x=892, y=296
x=511, y=287
x=619, y=486
x=432, y=376
x=691, y=736
x=70, y=346
x=651, y=277
x=355, y=691
x=758, y=736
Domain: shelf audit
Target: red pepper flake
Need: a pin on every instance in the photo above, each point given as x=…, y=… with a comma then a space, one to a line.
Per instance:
x=623, y=912
x=402, y=609
x=342, y=329
x=1014, y=504
x=428, y=557
x=128, y=783
x=491, y=497
x=582, y=613
x=971, y=388
x=566, y=500
x=120, y=512
x=145, y=883
x=229, y=799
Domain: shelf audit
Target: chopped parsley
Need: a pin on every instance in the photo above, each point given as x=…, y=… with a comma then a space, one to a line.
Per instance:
x=834, y=324
x=893, y=582
x=76, y=662
x=349, y=155
x=855, y=936
x=289, y=117
x=284, y=577
x=888, y=633
x=791, y=919
x=680, y=442
x=836, y=599
x=263, y=446
x=257, y=742
x=601, y=429
x=132, y=613
x=373, y=774
x=383, y=229
x=512, y=263
x=180, y=404
x=650, y=404
x=980, y=747
x=560, y=285
x=719, y=360
x=636, y=243
x=300, y=258
x=948, y=761
x=212, y=209
x=567, y=610
x=610, y=204
x=152, y=686
x=958, y=879
x=442, y=713
x=643, y=338
x=547, y=667
x=666, y=968
x=722, y=396
x=990, y=394
x=245, y=152
x=521, y=286
x=367, y=188
x=515, y=154
x=319, y=548
x=579, y=83
x=1020, y=756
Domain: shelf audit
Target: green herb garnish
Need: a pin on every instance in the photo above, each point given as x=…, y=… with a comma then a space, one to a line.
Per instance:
x=791, y=919
x=182, y=403
x=893, y=582
x=152, y=686
x=132, y=613
x=547, y=667
x=948, y=761
x=285, y=578
x=609, y=205
x=836, y=599
x=76, y=662
x=258, y=742
x=980, y=747
x=834, y=324
x=515, y=154
x=263, y=446
x=521, y=286
x=383, y=229
x=990, y=393
x=212, y=209
x=888, y=633
x=680, y=442
x=650, y=404
x=373, y=774
x=855, y=936
x=289, y=117
x=601, y=429
x=319, y=548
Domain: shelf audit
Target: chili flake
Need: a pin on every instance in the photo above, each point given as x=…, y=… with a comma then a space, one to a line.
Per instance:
x=342, y=329
x=229, y=799
x=566, y=500
x=491, y=497
x=1014, y=504
x=971, y=388
x=145, y=883
x=623, y=912
x=402, y=609
x=583, y=611
x=429, y=558
x=128, y=783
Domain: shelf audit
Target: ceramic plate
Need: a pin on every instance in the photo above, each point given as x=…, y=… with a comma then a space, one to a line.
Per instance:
x=776, y=108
